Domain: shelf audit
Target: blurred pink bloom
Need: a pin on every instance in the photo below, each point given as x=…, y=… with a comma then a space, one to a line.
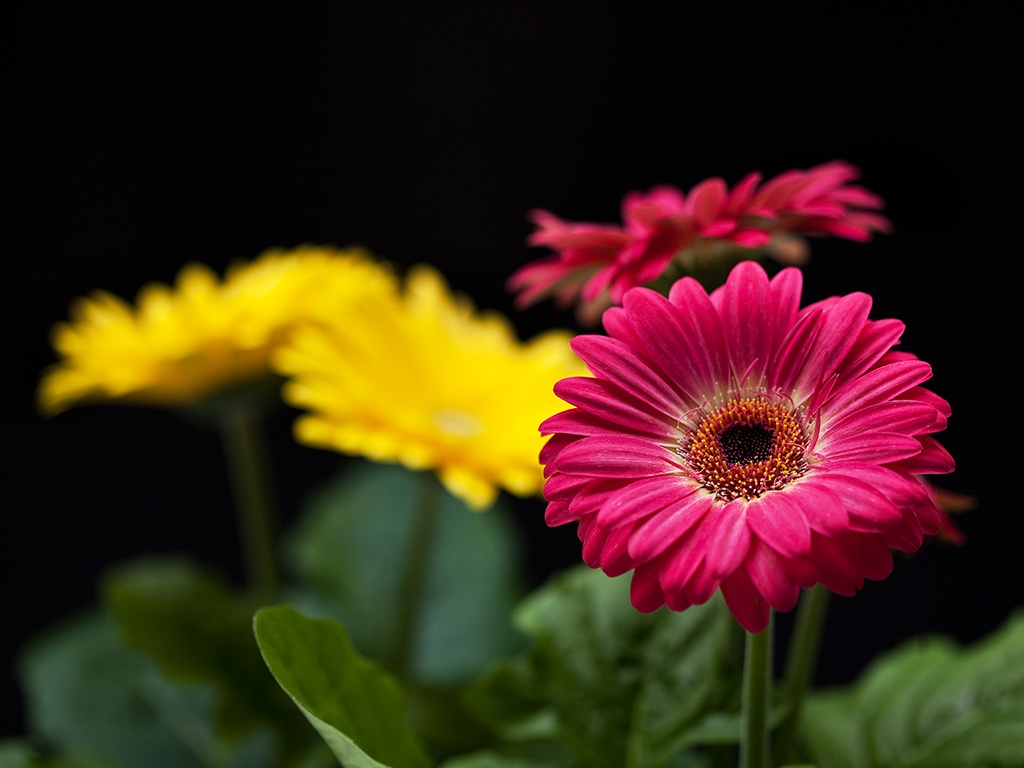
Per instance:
x=595, y=264
x=734, y=441
x=819, y=202
x=950, y=502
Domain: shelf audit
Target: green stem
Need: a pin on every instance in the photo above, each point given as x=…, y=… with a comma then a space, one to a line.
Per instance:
x=757, y=671
x=417, y=558
x=249, y=468
x=801, y=662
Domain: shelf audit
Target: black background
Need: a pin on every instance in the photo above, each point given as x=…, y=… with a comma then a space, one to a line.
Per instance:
x=148, y=135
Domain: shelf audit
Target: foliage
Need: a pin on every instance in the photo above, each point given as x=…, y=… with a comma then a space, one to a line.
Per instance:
x=165, y=673
x=928, y=703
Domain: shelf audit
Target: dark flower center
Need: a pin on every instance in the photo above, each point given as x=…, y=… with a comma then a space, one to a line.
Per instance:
x=746, y=447
x=746, y=443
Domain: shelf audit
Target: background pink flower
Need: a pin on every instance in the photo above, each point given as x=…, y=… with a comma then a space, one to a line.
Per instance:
x=818, y=201
x=595, y=264
x=734, y=441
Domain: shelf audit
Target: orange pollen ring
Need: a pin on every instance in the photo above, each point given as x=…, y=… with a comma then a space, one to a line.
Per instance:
x=746, y=447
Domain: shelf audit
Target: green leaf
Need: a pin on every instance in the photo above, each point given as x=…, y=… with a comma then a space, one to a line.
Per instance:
x=624, y=688
x=487, y=759
x=927, y=704
x=441, y=718
x=491, y=759
x=355, y=705
x=15, y=753
x=200, y=631
x=95, y=702
x=509, y=701
x=348, y=554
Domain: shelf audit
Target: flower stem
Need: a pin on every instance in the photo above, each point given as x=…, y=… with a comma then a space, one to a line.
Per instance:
x=757, y=671
x=800, y=663
x=417, y=558
x=249, y=468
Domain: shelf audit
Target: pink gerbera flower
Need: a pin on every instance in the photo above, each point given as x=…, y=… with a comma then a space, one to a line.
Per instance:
x=583, y=249
x=818, y=201
x=595, y=264
x=736, y=441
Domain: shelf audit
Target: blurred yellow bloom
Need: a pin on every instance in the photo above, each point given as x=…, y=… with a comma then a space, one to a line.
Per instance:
x=201, y=335
x=422, y=379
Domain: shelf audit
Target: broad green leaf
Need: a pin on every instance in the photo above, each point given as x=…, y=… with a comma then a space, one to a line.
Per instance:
x=928, y=704
x=352, y=546
x=690, y=661
x=623, y=688
x=833, y=735
x=96, y=703
x=355, y=705
x=200, y=631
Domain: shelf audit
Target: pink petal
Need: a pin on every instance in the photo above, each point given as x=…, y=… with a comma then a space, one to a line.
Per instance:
x=835, y=567
x=685, y=557
x=922, y=395
x=699, y=588
x=750, y=238
x=874, y=558
x=906, y=417
x=720, y=228
x=740, y=196
x=795, y=349
x=703, y=325
x=645, y=589
x=552, y=448
x=884, y=383
x=822, y=507
x=868, y=509
x=746, y=603
x=932, y=460
x=935, y=521
x=643, y=498
x=900, y=488
x=606, y=549
x=729, y=539
x=673, y=348
x=907, y=537
x=616, y=323
x=858, y=196
x=786, y=287
x=583, y=424
x=746, y=300
x=678, y=600
x=875, y=339
x=770, y=578
x=880, y=447
x=594, y=496
x=664, y=529
x=705, y=200
x=615, y=457
x=608, y=402
x=561, y=487
x=557, y=513
x=612, y=359
x=835, y=337
x=779, y=522
x=600, y=281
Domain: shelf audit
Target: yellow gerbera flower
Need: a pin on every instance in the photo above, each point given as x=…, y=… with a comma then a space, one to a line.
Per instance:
x=422, y=379
x=202, y=335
